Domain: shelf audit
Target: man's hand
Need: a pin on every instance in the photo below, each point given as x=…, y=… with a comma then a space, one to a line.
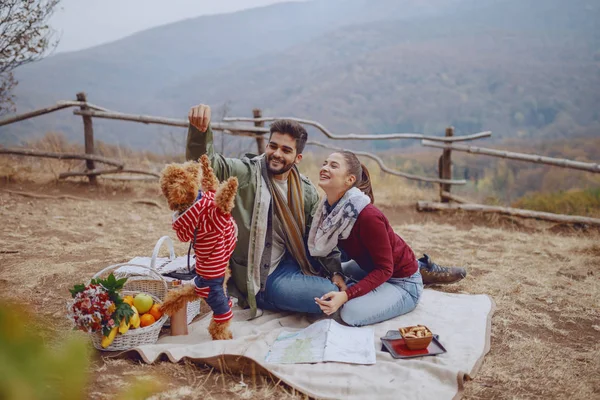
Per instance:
x=199, y=117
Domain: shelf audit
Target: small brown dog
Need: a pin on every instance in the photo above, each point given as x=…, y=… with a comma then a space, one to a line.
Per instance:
x=203, y=216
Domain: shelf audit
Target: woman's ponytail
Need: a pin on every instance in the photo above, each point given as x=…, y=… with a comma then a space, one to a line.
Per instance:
x=358, y=169
x=365, y=183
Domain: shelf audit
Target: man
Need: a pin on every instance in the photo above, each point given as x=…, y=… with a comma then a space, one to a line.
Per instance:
x=271, y=268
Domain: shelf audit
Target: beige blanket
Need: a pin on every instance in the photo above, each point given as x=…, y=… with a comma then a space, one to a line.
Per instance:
x=462, y=322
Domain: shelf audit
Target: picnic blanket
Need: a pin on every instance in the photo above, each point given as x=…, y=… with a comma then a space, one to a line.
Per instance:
x=462, y=321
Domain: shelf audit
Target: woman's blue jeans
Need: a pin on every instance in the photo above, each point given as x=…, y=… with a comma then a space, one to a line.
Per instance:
x=288, y=289
x=395, y=297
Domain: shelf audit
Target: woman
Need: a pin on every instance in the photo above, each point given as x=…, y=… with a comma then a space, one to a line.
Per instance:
x=384, y=267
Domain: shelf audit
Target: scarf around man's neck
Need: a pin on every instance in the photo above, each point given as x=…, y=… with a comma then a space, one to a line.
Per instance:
x=328, y=228
x=291, y=215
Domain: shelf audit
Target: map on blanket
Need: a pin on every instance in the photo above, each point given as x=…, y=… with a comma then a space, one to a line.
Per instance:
x=324, y=341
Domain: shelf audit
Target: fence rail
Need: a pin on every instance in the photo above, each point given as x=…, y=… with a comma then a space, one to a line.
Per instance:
x=431, y=206
x=149, y=119
x=362, y=136
x=88, y=111
x=46, y=110
x=230, y=126
x=60, y=156
x=533, y=158
x=391, y=171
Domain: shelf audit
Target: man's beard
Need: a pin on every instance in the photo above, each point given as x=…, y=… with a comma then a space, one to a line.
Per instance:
x=281, y=170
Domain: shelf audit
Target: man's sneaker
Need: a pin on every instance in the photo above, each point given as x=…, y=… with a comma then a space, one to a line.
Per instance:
x=434, y=274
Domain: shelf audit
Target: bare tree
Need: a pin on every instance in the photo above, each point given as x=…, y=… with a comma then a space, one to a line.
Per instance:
x=24, y=37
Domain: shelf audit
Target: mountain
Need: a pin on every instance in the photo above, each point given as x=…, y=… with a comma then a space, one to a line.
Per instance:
x=516, y=68
x=523, y=68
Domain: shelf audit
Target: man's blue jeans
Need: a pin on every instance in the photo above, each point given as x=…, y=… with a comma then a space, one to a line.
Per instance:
x=288, y=289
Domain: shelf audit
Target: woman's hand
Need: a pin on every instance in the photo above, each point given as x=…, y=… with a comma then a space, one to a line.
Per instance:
x=331, y=302
x=338, y=281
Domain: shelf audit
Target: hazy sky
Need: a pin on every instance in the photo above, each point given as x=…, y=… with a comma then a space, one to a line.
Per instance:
x=86, y=23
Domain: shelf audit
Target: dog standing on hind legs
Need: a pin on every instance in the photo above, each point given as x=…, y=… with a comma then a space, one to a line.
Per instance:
x=203, y=215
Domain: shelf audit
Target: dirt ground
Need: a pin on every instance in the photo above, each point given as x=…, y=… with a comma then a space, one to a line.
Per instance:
x=544, y=278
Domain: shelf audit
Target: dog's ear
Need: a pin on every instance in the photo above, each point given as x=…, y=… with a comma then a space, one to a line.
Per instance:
x=225, y=196
x=192, y=168
x=178, y=187
x=209, y=180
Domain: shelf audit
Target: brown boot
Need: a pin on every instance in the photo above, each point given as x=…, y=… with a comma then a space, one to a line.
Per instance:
x=434, y=274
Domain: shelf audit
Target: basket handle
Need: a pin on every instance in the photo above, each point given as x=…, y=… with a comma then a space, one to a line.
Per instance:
x=117, y=266
x=169, y=242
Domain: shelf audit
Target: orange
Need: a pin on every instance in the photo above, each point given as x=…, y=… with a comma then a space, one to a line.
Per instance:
x=128, y=299
x=155, y=312
x=147, y=320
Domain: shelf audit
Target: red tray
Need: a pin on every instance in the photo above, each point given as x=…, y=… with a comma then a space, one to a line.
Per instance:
x=393, y=343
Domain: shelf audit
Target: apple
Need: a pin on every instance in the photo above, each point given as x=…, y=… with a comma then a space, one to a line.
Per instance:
x=143, y=302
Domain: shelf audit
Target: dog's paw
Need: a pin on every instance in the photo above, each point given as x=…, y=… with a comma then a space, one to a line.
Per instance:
x=220, y=330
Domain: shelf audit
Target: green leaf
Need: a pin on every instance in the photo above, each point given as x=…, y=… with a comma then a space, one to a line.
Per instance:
x=111, y=284
x=121, y=283
x=123, y=310
x=114, y=296
x=77, y=289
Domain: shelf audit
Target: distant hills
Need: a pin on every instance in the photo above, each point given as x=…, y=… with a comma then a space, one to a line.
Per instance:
x=521, y=68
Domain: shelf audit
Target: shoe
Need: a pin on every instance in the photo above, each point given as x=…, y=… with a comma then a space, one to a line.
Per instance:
x=434, y=274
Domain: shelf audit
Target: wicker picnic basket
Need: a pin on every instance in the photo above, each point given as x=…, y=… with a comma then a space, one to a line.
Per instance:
x=148, y=283
x=139, y=336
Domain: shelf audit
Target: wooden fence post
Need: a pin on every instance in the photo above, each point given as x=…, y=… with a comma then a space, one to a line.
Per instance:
x=445, y=168
x=260, y=141
x=88, y=131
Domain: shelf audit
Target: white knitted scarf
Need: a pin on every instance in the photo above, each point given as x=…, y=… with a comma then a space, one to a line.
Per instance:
x=327, y=229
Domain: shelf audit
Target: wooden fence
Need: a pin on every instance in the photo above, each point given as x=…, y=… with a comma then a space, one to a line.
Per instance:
x=235, y=126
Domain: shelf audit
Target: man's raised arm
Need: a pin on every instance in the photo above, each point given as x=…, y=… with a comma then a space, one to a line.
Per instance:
x=200, y=137
x=200, y=141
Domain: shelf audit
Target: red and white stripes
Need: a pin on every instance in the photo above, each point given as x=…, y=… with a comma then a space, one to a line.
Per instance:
x=215, y=241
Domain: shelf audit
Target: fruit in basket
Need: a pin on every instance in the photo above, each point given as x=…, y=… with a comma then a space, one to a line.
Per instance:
x=123, y=326
x=107, y=340
x=143, y=302
x=128, y=299
x=156, y=312
x=147, y=320
x=134, y=321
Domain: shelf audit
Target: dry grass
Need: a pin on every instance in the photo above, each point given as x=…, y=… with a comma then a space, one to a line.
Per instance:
x=546, y=330
x=185, y=380
x=55, y=244
x=545, y=282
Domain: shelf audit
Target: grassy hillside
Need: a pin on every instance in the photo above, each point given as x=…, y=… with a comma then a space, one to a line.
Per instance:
x=576, y=202
x=522, y=184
